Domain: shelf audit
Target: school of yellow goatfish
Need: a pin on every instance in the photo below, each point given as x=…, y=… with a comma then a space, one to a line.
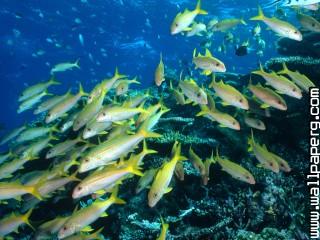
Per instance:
x=107, y=133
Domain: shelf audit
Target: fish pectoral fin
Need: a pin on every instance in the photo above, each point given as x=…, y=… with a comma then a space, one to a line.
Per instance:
x=104, y=214
x=222, y=126
x=169, y=189
x=103, y=133
x=259, y=165
x=225, y=104
x=264, y=106
x=279, y=92
x=87, y=229
x=206, y=72
x=188, y=29
x=100, y=192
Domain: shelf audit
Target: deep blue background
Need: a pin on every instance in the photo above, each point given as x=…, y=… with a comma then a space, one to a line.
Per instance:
x=119, y=27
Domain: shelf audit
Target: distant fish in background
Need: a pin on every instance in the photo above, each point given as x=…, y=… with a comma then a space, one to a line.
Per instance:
x=62, y=67
x=294, y=3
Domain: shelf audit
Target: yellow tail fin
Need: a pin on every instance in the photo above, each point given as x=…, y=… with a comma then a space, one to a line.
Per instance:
x=25, y=218
x=199, y=10
x=260, y=16
x=114, y=196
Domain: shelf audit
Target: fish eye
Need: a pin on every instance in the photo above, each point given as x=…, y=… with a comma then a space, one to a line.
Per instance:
x=198, y=95
x=89, y=129
x=247, y=177
x=293, y=90
x=240, y=100
x=79, y=188
x=65, y=228
x=233, y=123
x=271, y=164
x=279, y=102
x=86, y=160
x=176, y=24
x=258, y=123
x=155, y=194
x=217, y=64
x=313, y=24
x=104, y=114
x=281, y=165
x=49, y=115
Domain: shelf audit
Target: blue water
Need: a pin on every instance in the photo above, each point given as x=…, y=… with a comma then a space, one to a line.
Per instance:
x=130, y=34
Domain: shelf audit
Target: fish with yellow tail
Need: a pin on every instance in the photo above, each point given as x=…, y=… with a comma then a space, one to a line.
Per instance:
x=9, y=190
x=265, y=158
x=160, y=185
x=80, y=220
x=62, y=67
x=65, y=106
x=82, y=236
x=104, y=178
x=229, y=94
x=179, y=96
x=283, y=164
x=196, y=162
x=106, y=84
x=37, y=89
x=146, y=179
x=227, y=24
x=269, y=97
x=194, y=93
x=280, y=83
x=280, y=27
x=213, y=114
x=208, y=63
x=164, y=230
x=159, y=73
x=207, y=164
x=12, y=222
x=111, y=150
x=300, y=79
x=183, y=20
x=308, y=22
x=254, y=123
x=89, y=111
x=122, y=86
x=235, y=170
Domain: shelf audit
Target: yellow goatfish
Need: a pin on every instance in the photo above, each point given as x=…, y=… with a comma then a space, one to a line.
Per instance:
x=280, y=27
x=12, y=135
x=280, y=83
x=196, y=162
x=254, y=123
x=227, y=24
x=89, y=111
x=160, y=184
x=62, y=67
x=309, y=22
x=229, y=94
x=183, y=20
x=104, y=178
x=37, y=89
x=81, y=219
x=9, y=190
x=106, y=84
x=12, y=222
x=122, y=86
x=300, y=79
x=191, y=89
x=159, y=73
x=268, y=97
x=208, y=63
x=265, y=158
x=164, y=230
x=224, y=119
x=65, y=106
x=235, y=170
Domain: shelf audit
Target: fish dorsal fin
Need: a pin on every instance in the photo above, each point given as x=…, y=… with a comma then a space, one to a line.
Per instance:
x=208, y=53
